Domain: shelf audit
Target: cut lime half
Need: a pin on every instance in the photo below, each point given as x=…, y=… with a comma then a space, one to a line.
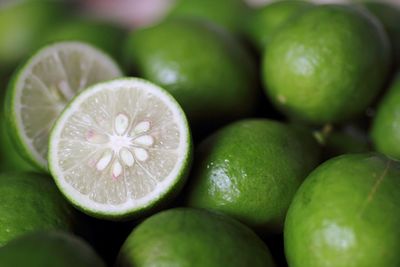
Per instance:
x=120, y=148
x=42, y=87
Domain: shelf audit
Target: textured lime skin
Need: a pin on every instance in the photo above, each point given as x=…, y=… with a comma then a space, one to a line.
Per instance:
x=208, y=71
x=328, y=64
x=385, y=131
x=346, y=214
x=49, y=249
x=22, y=26
x=189, y=238
x=105, y=36
x=227, y=13
x=265, y=21
x=250, y=170
x=29, y=202
x=389, y=15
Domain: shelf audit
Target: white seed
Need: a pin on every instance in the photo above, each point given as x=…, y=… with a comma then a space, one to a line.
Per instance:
x=145, y=140
x=140, y=153
x=104, y=161
x=96, y=138
x=117, y=169
x=121, y=123
x=127, y=157
x=142, y=127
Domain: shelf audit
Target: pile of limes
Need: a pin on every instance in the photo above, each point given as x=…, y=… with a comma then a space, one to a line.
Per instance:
x=221, y=135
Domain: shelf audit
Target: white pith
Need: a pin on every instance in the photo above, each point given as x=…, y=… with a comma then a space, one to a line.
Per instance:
x=141, y=130
x=46, y=84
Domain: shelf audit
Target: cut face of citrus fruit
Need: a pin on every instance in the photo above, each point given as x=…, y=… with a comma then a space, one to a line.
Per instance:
x=119, y=148
x=42, y=87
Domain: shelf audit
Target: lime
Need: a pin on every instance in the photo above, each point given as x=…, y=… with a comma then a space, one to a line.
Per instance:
x=346, y=214
x=328, y=64
x=266, y=20
x=188, y=237
x=103, y=35
x=250, y=170
x=42, y=87
x=385, y=129
x=49, y=249
x=227, y=13
x=29, y=202
x=22, y=27
x=200, y=65
x=389, y=15
x=120, y=148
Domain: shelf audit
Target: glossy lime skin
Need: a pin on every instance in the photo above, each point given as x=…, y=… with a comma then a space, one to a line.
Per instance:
x=328, y=64
x=187, y=237
x=23, y=25
x=230, y=14
x=346, y=214
x=206, y=69
x=385, y=131
x=103, y=35
x=265, y=21
x=30, y=202
x=250, y=170
x=48, y=249
x=389, y=15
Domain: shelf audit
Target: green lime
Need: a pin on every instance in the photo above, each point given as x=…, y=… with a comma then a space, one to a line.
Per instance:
x=228, y=13
x=266, y=20
x=41, y=88
x=385, y=130
x=103, y=35
x=205, y=68
x=346, y=214
x=328, y=64
x=389, y=15
x=22, y=27
x=30, y=202
x=189, y=238
x=120, y=148
x=49, y=249
x=250, y=170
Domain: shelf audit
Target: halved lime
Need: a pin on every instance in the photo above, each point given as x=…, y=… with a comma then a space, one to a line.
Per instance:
x=43, y=86
x=120, y=148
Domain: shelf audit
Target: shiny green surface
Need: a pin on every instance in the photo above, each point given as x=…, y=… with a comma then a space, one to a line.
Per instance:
x=193, y=238
x=30, y=202
x=206, y=69
x=327, y=65
x=385, y=129
x=49, y=249
x=228, y=13
x=265, y=21
x=250, y=170
x=346, y=214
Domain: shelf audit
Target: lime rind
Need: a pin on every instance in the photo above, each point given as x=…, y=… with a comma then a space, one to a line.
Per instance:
x=24, y=144
x=163, y=191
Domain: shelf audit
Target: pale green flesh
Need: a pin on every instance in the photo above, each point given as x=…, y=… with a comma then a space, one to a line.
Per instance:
x=46, y=85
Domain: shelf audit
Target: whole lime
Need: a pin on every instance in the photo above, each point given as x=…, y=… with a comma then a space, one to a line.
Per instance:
x=385, y=131
x=49, y=249
x=103, y=35
x=23, y=25
x=230, y=14
x=346, y=214
x=206, y=69
x=328, y=64
x=30, y=202
x=250, y=170
x=268, y=19
x=189, y=238
x=389, y=15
